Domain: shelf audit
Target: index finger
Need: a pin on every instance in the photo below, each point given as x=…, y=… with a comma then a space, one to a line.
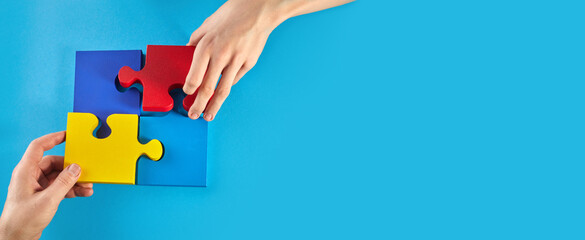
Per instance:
x=36, y=149
x=197, y=70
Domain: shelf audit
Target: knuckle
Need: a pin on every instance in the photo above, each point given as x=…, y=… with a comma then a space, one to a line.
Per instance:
x=205, y=91
x=211, y=41
x=35, y=143
x=224, y=51
x=194, y=34
x=250, y=63
x=222, y=93
x=221, y=56
x=47, y=200
x=197, y=31
x=16, y=172
x=238, y=58
x=66, y=179
x=190, y=84
x=205, y=42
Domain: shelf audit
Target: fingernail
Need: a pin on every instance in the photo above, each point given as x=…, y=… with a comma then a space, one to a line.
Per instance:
x=74, y=169
x=194, y=116
x=208, y=116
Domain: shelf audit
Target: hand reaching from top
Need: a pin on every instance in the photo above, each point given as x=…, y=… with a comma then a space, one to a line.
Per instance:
x=229, y=42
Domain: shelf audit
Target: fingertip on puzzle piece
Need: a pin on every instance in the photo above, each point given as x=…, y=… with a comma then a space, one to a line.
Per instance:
x=165, y=69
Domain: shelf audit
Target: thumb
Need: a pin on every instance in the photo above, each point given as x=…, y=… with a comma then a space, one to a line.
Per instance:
x=64, y=182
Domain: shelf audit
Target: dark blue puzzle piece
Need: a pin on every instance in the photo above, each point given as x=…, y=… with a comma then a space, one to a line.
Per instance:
x=184, y=162
x=95, y=85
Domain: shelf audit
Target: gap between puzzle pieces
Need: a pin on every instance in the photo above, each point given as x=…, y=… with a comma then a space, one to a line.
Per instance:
x=185, y=141
x=96, y=90
x=165, y=69
x=107, y=160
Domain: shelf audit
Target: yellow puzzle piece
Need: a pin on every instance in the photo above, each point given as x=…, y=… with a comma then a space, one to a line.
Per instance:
x=108, y=160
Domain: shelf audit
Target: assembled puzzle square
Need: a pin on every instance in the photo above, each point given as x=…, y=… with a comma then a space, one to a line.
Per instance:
x=112, y=139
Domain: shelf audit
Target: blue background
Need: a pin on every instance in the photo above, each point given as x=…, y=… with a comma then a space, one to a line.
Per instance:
x=374, y=120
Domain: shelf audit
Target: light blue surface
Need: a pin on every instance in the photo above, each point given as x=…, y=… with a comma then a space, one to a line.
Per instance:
x=374, y=120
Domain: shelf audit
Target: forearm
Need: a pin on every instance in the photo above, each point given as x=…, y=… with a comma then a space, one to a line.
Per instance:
x=277, y=11
x=292, y=8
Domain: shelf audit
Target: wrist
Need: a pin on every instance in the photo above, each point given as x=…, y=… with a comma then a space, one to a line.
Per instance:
x=278, y=11
x=6, y=232
x=286, y=9
x=3, y=231
x=270, y=16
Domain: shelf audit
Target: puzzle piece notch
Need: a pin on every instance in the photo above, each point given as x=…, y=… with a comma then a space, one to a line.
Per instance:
x=185, y=160
x=108, y=160
x=96, y=90
x=165, y=69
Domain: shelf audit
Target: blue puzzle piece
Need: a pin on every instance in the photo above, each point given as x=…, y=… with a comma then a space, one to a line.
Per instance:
x=95, y=85
x=184, y=162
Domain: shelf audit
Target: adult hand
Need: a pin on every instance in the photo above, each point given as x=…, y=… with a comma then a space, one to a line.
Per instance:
x=229, y=43
x=37, y=186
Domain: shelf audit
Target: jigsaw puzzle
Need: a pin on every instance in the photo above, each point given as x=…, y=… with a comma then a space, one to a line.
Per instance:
x=165, y=69
x=108, y=160
x=102, y=106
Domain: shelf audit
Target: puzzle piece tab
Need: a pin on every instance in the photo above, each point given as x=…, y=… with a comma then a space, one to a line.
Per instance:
x=165, y=69
x=95, y=84
x=185, y=159
x=108, y=160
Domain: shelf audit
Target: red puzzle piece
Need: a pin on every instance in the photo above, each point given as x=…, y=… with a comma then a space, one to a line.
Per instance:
x=165, y=69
